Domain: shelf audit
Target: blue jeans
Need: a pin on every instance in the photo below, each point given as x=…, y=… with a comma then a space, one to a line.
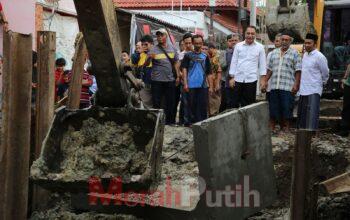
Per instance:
x=164, y=90
x=281, y=104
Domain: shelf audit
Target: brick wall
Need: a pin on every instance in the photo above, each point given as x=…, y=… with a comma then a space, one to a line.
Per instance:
x=38, y=20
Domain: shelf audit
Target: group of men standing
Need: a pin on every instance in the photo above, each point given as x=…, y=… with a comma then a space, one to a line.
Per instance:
x=193, y=73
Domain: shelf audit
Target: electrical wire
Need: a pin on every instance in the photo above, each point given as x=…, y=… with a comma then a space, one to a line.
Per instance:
x=53, y=5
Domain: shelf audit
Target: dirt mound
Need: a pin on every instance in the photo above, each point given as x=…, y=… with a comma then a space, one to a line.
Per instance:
x=330, y=157
x=97, y=149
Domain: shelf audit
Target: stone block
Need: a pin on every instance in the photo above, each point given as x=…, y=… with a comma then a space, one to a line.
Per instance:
x=234, y=155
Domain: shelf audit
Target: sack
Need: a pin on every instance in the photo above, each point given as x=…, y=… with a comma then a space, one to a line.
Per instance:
x=170, y=60
x=196, y=77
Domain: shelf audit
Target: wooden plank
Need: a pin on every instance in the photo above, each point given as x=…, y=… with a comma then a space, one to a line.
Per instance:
x=338, y=184
x=98, y=21
x=45, y=102
x=77, y=73
x=17, y=133
x=301, y=175
x=5, y=118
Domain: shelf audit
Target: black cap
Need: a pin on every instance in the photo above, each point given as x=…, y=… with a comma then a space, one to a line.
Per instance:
x=287, y=32
x=311, y=37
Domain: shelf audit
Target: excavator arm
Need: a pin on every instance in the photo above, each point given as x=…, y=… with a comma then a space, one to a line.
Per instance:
x=291, y=16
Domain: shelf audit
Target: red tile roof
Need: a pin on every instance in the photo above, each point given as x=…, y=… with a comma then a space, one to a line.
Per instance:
x=224, y=21
x=168, y=3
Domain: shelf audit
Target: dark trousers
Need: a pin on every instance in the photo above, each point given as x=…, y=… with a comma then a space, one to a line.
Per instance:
x=223, y=105
x=164, y=90
x=242, y=94
x=345, y=123
x=281, y=104
x=184, y=120
x=197, y=108
x=308, y=112
x=177, y=101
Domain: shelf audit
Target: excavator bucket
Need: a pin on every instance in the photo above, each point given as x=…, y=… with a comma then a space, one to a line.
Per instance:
x=291, y=17
x=112, y=139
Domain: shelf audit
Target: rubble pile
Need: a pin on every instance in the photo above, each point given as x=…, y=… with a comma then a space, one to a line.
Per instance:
x=334, y=207
x=178, y=156
x=96, y=149
x=330, y=157
x=178, y=164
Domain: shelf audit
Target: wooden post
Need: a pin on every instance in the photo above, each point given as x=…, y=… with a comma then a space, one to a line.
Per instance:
x=77, y=73
x=45, y=102
x=5, y=118
x=45, y=99
x=301, y=175
x=16, y=135
x=98, y=21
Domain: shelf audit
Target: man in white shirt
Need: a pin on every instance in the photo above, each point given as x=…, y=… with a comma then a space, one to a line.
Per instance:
x=248, y=63
x=314, y=75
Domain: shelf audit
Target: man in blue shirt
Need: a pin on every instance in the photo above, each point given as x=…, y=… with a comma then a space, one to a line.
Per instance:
x=196, y=68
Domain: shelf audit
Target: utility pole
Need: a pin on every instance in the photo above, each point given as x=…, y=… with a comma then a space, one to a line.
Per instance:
x=212, y=5
x=239, y=17
x=253, y=13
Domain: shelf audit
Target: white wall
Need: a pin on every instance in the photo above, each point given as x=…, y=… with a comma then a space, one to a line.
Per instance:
x=66, y=28
x=20, y=15
x=66, y=6
x=183, y=19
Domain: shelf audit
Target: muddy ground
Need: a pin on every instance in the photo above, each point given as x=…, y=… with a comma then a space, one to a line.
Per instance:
x=331, y=157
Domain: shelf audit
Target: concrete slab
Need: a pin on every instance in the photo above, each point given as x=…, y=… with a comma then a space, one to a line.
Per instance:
x=234, y=155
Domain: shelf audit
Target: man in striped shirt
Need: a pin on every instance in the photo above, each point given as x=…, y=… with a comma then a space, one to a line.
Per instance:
x=85, y=86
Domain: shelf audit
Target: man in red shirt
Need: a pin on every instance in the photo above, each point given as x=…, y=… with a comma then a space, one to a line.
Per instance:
x=4, y=21
x=61, y=78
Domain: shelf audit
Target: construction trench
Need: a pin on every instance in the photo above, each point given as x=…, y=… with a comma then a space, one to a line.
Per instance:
x=330, y=158
x=114, y=161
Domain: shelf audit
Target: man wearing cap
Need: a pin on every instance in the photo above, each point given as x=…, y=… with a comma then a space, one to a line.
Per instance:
x=284, y=70
x=247, y=65
x=165, y=74
x=314, y=75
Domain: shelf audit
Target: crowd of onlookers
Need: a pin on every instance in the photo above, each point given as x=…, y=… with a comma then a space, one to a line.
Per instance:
x=198, y=81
